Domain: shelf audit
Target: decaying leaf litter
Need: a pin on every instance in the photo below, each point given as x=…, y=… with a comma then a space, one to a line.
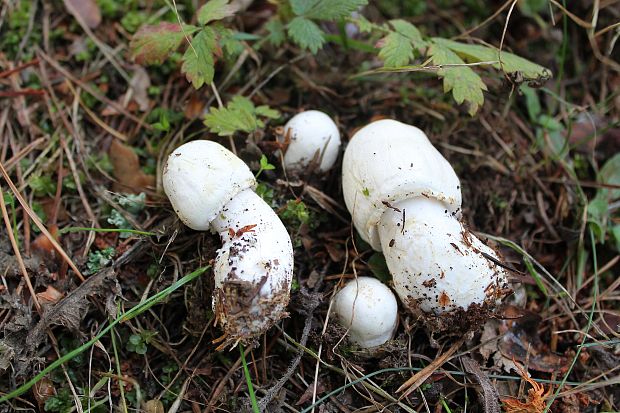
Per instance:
x=85, y=131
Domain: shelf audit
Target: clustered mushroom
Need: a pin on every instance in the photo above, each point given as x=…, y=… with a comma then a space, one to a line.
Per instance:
x=211, y=188
x=405, y=200
x=310, y=138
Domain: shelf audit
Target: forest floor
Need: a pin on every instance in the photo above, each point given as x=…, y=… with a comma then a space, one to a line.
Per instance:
x=105, y=300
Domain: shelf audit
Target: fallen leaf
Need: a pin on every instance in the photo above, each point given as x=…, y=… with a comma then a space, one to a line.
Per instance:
x=138, y=90
x=489, y=394
x=86, y=11
x=42, y=391
x=535, y=401
x=521, y=341
x=42, y=246
x=127, y=171
x=70, y=311
x=194, y=107
x=50, y=295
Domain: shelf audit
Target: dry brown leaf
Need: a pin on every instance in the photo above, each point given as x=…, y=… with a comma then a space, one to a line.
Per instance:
x=85, y=10
x=127, y=169
x=42, y=245
x=50, y=295
x=535, y=401
x=194, y=107
x=138, y=91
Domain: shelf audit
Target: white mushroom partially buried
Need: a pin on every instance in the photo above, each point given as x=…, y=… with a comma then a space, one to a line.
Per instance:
x=211, y=188
x=405, y=200
x=368, y=309
x=312, y=138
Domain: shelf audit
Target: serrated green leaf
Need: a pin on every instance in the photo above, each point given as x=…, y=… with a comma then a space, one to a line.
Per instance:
x=306, y=34
x=364, y=25
x=398, y=46
x=510, y=63
x=409, y=31
x=276, y=34
x=152, y=44
x=332, y=9
x=301, y=7
x=465, y=84
x=267, y=112
x=198, y=60
x=215, y=10
x=239, y=115
x=396, y=50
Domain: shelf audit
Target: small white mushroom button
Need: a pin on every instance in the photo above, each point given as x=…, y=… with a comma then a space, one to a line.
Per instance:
x=211, y=188
x=311, y=137
x=368, y=309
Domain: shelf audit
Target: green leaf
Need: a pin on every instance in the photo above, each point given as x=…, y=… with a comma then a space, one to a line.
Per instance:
x=396, y=50
x=215, y=10
x=379, y=267
x=306, y=34
x=610, y=175
x=152, y=44
x=532, y=103
x=239, y=115
x=465, y=84
x=510, y=63
x=276, y=34
x=330, y=9
x=398, y=46
x=198, y=60
x=267, y=112
x=409, y=31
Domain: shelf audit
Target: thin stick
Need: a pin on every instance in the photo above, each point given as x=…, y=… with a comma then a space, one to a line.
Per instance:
x=39, y=224
x=18, y=254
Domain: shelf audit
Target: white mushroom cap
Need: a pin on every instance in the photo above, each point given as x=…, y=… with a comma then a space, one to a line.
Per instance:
x=200, y=177
x=368, y=309
x=378, y=166
x=312, y=133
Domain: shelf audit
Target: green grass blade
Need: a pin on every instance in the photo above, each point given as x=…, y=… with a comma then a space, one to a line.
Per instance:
x=248, y=379
x=140, y=308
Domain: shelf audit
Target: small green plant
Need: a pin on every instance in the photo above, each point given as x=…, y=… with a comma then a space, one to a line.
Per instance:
x=264, y=166
x=239, y=115
x=134, y=204
x=61, y=402
x=601, y=218
x=295, y=212
x=42, y=185
x=152, y=44
x=99, y=259
x=138, y=343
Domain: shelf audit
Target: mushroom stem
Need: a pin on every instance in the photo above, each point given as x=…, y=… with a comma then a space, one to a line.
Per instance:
x=436, y=263
x=253, y=269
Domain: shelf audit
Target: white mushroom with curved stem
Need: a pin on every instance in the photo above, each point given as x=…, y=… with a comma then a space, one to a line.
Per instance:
x=310, y=137
x=368, y=309
x=405, y=200
x=211, y=188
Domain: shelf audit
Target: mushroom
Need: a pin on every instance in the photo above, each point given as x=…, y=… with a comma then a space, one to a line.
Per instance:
x=368, y=309
x=211, y=188
x=311, y=137
x=405, y=200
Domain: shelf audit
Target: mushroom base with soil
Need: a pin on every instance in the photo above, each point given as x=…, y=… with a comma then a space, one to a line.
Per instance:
x=253, y=269
x=440, y=270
